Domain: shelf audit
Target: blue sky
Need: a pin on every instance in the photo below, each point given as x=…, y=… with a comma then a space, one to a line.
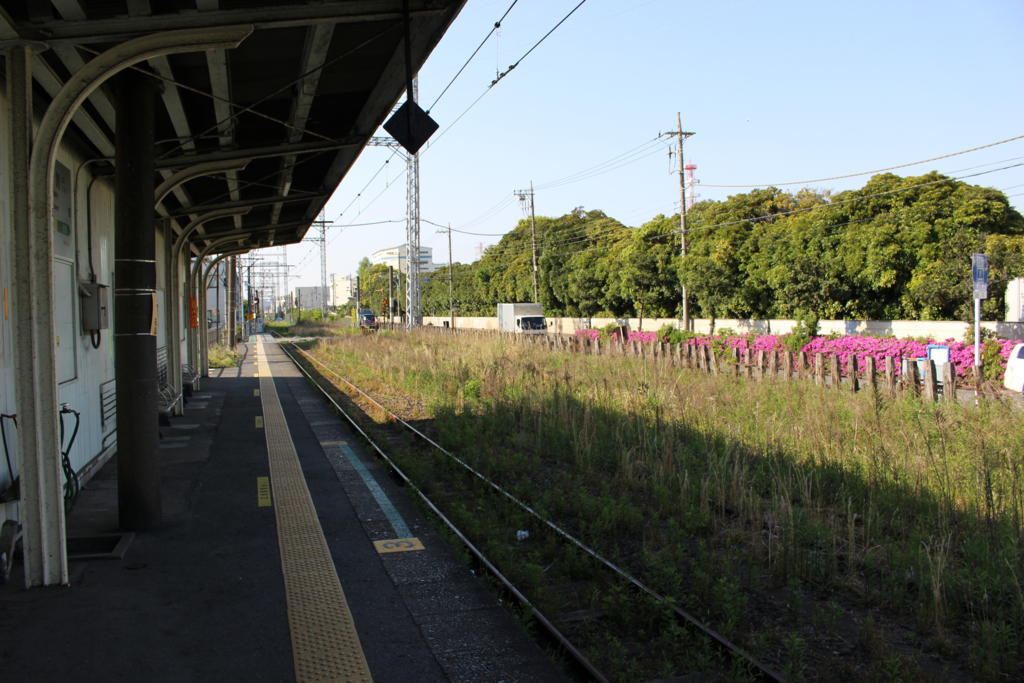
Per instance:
x=775, y=92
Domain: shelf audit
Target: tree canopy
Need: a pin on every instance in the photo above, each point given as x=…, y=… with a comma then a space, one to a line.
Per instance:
x=897, y=248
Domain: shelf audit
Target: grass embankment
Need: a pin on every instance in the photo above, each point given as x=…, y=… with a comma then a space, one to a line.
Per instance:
x=222, y=356
x=833, y=535
x=308, y=327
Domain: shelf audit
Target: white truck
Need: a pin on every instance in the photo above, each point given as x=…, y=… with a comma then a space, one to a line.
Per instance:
x=526, y=318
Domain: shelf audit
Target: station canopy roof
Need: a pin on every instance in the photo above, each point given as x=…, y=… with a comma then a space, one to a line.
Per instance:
x=285, y=114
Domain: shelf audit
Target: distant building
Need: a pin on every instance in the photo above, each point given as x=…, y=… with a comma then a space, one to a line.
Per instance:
x=1015, y=300
x=341, y=289
x=398, y=258
x=309, y=297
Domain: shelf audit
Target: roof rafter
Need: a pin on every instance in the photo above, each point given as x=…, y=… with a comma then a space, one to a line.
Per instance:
x=283, y=15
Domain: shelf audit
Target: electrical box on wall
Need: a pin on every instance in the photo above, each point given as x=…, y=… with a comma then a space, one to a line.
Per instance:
x=94, y=304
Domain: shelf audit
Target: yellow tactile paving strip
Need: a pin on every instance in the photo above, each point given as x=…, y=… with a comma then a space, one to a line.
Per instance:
x=325, y=645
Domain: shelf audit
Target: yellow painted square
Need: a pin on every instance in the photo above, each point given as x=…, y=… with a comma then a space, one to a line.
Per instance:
x=263, y=492
x=398, y=545
x=259, y=422
x=255, y=392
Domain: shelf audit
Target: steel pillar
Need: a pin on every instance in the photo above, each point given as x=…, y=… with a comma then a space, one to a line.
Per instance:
x=231, y=302
x=45, y=554
x=135, y=305
x=42, y=491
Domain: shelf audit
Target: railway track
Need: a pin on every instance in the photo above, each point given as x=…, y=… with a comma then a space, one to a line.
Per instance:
x=326, y=380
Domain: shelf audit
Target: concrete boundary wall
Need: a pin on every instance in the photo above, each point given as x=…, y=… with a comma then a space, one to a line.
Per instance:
x=935, y=329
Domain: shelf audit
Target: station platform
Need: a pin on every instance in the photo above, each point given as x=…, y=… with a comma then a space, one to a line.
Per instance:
x=285, y=553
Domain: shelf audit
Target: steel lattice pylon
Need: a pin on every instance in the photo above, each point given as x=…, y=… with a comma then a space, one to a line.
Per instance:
x=412, y=234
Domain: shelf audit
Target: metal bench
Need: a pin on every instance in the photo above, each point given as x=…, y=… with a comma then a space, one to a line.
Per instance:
x=168, y=396
x=189, y=379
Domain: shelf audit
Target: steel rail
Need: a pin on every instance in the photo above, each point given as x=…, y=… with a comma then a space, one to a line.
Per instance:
x=564, y=643
x=763, y=671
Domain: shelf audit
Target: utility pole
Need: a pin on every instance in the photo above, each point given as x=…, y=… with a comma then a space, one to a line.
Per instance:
x=681, y=135
x=391, y=295
x=451, y=285
x=322, y=239
x=523, y=195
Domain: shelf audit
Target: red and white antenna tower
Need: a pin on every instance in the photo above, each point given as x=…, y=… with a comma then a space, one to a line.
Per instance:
x=691, y=195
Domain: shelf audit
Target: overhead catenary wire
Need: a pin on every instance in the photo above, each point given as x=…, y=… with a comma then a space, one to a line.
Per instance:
x=490, y=33
x=499, y=77
x=458, y=118
x=554, y=28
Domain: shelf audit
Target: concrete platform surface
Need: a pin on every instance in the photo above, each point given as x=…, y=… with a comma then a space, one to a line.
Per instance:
x=202, y=597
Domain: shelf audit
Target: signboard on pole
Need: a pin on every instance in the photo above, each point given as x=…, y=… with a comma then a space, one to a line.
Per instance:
x=979, y=275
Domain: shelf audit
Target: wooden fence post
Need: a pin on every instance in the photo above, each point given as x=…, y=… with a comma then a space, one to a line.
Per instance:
x=930, y=389
x=871, y=372
x=949, y=382
x=787, y=365
x=851, y=371
x=712, y=360
x=833, y=370
x=913, y=378
x=819, y=369
x=889, y=377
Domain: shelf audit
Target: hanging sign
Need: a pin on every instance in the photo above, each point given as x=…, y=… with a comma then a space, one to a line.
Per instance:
x=193, y=313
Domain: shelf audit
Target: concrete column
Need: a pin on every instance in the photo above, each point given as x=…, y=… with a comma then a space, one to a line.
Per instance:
x=230, y=294
x=138, y=464
x=42, y=491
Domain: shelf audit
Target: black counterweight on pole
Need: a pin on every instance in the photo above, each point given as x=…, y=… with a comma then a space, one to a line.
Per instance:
x=138, y=463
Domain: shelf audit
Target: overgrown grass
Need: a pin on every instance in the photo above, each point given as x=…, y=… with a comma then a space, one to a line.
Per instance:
x=831, y=533
x=222, y=356
x=311, y=327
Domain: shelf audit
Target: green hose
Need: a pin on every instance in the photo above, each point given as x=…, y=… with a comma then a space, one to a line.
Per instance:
x=72, y=485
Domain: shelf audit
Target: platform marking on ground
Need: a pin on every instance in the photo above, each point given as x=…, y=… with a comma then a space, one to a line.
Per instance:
x=263, y=492
x=325, y=645
x=259, y=422
x=398, y=524
x=255, y=392
x=398, y=545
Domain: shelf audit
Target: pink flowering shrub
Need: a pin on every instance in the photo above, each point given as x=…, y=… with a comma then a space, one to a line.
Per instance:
x=589, y=334
x=880, y=348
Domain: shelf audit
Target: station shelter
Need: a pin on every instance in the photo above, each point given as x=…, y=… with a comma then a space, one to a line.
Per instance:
x=145, y=142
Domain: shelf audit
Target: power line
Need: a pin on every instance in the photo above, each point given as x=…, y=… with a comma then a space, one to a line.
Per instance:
x=877, y=170
x=535, y=45
x=490, y=33
x=624, y=159
x=499, y=77
x=754, y=219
